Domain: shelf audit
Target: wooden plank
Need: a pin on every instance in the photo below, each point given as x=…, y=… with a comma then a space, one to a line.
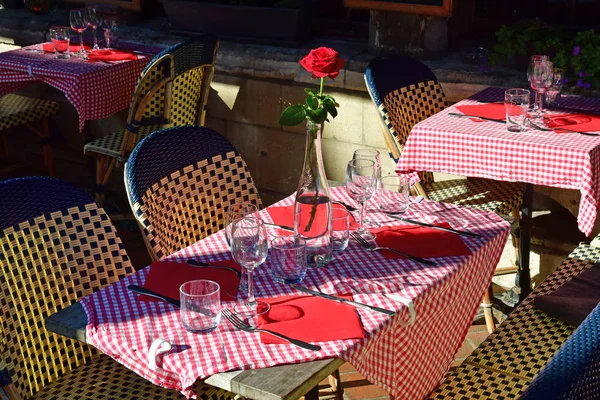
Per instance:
x=404, y=6
x=282, y=382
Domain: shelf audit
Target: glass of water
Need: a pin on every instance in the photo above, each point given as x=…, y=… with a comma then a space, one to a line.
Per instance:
x=200, y=310
x=516, y=102
x=60, y=39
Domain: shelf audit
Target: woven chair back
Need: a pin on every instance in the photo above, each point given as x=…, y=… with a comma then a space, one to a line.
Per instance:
x=180, y=182
x=57, y=247
x=405, y=92
x=574, y=371
x=173, y=88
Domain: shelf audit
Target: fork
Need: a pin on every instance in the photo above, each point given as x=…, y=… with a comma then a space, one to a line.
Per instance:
x=372, y=247
x=558, y=128
x=238, y=323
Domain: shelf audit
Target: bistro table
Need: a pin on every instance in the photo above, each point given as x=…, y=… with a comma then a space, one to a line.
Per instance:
x=475, y=148
x=406, y=359
x=96, y=89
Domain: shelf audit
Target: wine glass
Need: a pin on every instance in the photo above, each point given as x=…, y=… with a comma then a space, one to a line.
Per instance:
x=533, y=59
x=94, y=21
x=361, y=182
x=78, y=24
x=249, y=248
x=540, y=75
x=553, y=93
x=373, y=155
x=237, y=211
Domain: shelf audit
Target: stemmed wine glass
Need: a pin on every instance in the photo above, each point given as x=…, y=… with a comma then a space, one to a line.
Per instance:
x=237, y=211
x=94, y=21
x=78, y=24
x=361, y=182
x=249, y=248
x=540, y=76
x=533, y=59
x=373, y=155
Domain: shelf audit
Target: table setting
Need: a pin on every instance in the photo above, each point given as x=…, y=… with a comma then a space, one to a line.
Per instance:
x=212, y=305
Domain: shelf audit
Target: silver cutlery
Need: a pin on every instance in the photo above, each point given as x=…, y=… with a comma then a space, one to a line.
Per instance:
x=142, y=290
x=201, y=264
x=241, y=325
x=541, y=128
x=441, y=228
x=373, y=247
x=284, y=227
x=475, y=116
x=342, y=300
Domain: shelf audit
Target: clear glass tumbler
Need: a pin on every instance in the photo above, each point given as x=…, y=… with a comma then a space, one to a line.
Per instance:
x=516, y=102
x=288, y=259
x=394, y=194
x=60, y=39
x=340, y=227
x=200, y=310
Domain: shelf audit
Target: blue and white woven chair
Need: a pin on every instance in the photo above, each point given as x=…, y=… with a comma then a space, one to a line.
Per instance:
x=407, y=92
x=58, y=246
x=172, y=91
x=180, y=182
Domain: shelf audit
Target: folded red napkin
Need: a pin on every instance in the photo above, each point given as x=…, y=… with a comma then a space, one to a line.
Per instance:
x=165, y=277
x=311, y=319
x=574, y=122
x=73, y=48
x=491, y=110
x=111, y=55
x=420, y=241
x=285, y=216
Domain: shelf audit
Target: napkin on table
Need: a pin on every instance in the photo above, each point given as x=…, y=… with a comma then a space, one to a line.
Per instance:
x=311, y=319
x=575, y=300
x=111, y=55
x=165, y=277
x=574, y=122
x=420, y=241
x=490, y=110
x=285, y=216
x=73, y=48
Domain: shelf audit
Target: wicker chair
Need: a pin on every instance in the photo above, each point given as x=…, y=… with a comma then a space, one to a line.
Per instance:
x=519, y=351
x=180, y=182
x=57, y=247
x=407, y=92
x=33, y=113
x=172, y=91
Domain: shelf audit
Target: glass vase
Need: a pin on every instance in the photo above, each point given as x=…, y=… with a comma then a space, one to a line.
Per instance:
x=312, y=208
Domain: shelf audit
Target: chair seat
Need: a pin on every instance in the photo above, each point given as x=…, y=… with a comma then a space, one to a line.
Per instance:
x=483, y=194
x=18, y=110
x=104, y=378
x=110, y=145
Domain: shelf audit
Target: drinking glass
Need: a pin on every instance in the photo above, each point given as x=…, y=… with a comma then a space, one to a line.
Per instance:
x=249, y=248
x=532, y=60
x=361, y=181
x=200, y=310
x=288, y=258
x=340, y=227
x=237, y=211
x=110, y=27
x=516, y=102
x=553, y=93
x=60, y=39
x=394, y=194
x=78, y=24
x=370, y=154
x=541, y=79
x=94, y=21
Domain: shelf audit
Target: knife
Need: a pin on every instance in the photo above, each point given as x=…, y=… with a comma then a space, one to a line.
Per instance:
x=142, y=290
x=441, y=228
x=285, y=228
x=475, y=116
x=202, y=264
x=341, y=300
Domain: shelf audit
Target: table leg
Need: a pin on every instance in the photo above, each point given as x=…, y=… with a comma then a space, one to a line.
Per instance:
x=313, y=394
x=525, y=225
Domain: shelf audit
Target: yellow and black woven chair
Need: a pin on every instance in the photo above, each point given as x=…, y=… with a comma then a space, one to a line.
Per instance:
x=172, y=91
x=513, y=356
x=33, y=113
x=407, y=92
x=180, y=182
x=57, y=247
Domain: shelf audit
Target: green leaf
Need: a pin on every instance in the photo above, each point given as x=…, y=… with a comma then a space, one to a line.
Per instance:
x=312, y=103
x=317, y=116
x=293, y=115
x=311, y=92
x=329, y=106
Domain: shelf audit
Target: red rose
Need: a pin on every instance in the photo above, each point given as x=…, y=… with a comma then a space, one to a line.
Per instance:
x=323, y=62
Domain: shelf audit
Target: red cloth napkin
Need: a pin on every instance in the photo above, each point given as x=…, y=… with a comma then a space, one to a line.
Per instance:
x=311, y=319
x=73, y=48
x=285, y=216
x=111, y=55
x=574, y=122
x=420, y=241
x=491, y=110
x=165, y=277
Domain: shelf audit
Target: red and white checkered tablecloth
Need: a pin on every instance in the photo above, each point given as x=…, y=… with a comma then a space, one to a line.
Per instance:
x=407, y=361
x=96, y=89
x=465, y=147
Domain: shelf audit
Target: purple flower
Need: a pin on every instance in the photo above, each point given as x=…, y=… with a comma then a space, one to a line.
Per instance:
x=587, y=85
x=580, y=83
x=576, y=50
x=580, y=74
x=564, y=81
